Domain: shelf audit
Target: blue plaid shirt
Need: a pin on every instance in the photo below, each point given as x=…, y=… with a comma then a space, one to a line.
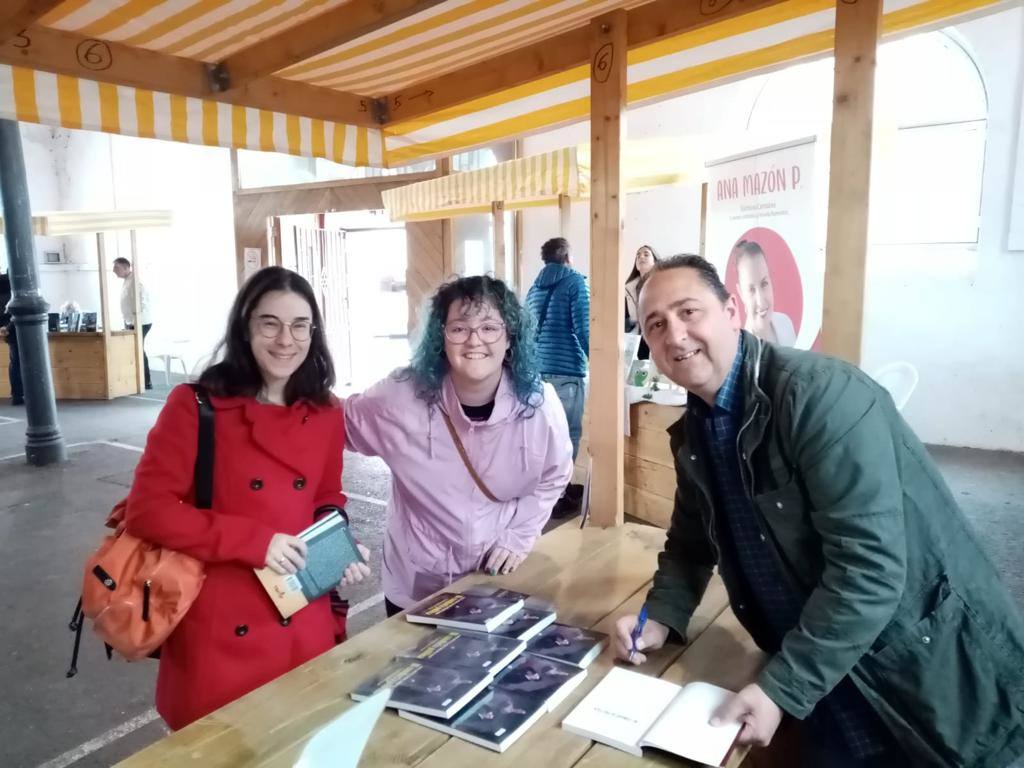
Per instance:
x=843, y=716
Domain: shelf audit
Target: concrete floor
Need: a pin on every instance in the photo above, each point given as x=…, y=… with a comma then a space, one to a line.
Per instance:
x=51, y=518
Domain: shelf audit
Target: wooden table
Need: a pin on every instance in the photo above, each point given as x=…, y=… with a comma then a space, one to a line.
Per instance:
x=592, y=576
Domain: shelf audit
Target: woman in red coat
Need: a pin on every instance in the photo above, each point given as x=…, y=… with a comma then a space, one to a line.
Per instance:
x=278, y=444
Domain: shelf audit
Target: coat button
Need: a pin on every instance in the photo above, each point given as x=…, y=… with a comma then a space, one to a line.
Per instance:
x=926, y=639
x=693, y=457
x=763, y=537
x=255, y=483
x=286, y=622
x=778, y=504
x=299, y=483
x=242, y=630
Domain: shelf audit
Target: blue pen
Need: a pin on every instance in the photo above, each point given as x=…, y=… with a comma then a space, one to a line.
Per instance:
x=638, y=630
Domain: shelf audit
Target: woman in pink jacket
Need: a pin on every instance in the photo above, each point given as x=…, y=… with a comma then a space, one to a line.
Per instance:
x=473, y=372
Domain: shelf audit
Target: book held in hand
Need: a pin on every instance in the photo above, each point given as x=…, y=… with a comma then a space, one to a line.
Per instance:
x=574, y=645
x=519, y=696
x=470, y=650
x=629, y=711
x=481, y=613
x=330, y=549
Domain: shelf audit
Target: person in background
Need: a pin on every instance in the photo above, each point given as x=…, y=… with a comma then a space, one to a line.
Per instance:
x=477, y=444
x=123, y=269
x=278, y=439
x=9, y=333
x=845, y=556
x=646, y=258
x=758, y=296
x=560, y=302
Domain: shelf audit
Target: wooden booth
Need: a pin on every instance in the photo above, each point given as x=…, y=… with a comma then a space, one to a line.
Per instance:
x=104, y=363
x=393, y=83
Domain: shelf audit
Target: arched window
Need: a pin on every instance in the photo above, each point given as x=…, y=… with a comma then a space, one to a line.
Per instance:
x=929, y=150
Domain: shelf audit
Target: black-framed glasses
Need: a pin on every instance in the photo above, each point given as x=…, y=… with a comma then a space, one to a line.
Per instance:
x=458, y=332
x=270, y=327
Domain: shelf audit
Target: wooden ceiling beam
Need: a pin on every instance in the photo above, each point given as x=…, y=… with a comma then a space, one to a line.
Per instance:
x=645, y=24
x=315, y=36
x=52, y=50
x=18, y=16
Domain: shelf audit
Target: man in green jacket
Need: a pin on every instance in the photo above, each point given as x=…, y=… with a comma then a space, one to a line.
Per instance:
x=844, y=554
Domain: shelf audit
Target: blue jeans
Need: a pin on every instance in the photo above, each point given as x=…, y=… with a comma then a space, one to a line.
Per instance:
x=572, y=393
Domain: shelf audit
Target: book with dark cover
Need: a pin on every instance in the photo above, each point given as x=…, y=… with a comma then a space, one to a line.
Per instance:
x=464, y=611
x=330, y=549
x=570, y=644
x=425, y=687
x=525, y=624
x=520, y=695
x=471, y=650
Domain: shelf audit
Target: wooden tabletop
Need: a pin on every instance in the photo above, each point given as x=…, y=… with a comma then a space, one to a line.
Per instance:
x=592, y=576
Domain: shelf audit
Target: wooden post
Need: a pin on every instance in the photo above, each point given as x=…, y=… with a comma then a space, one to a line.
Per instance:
x=101, y=258
x=519, y=267
x=450, y=269
x=703, y=217
x=564, y=214
x=140, y=374
x=498, y=227
x=607, y=132
x=846, y=244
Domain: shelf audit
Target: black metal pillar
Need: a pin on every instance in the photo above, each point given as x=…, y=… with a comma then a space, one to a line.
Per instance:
x=45, y=444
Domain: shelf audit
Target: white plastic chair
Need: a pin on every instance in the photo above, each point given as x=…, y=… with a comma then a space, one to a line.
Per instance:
x=899, y=379
x=168, y=355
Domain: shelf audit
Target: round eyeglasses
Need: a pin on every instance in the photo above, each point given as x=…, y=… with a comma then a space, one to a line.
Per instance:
x=488, y=332
x=270, y=328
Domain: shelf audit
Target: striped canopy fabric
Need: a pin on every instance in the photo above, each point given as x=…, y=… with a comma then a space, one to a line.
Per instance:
x=433, y=39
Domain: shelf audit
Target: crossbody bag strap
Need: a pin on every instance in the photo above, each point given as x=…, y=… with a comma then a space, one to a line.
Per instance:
x=465, y=459
x=203, y=472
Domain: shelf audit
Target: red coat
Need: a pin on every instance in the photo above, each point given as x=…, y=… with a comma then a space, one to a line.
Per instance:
x=273, y=467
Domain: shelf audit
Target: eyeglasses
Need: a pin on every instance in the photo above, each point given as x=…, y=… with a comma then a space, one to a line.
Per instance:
x=270, y=327
x=459, y=332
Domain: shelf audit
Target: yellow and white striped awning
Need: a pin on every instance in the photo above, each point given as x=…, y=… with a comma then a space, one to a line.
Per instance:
x=70, y=102
x=755, y=41
x=540, y=179
x=442, y=39
x=520, y=183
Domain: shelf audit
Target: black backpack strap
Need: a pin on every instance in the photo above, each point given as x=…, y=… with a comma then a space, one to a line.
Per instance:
x=550, y=291
x=203, y=473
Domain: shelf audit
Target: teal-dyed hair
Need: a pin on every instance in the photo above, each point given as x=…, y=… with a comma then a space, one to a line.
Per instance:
x=429, y=363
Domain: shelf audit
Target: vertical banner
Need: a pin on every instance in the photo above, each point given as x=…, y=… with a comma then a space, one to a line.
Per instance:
x=762, y=236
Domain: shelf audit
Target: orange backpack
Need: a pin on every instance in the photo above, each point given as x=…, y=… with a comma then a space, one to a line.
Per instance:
x=136, y=592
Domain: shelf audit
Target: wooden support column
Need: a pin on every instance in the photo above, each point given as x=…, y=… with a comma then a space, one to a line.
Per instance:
x=498, y=228
x=607, y=133
x=703, y=218
x=857, y=29
x=101, y=258
x=136, y=278
x=564, y=214
x=450, y=268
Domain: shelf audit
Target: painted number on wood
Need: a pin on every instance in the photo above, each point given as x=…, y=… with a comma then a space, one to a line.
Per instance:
x=601, y=67
x=21, y=40
x=94, y=55
x=710, y=7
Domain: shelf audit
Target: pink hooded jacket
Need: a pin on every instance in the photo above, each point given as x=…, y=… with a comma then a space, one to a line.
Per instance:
x=440, y=525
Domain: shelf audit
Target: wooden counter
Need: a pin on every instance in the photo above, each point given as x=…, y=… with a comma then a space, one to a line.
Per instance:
x=649, y=469
x=87, y=366
x=593, y=576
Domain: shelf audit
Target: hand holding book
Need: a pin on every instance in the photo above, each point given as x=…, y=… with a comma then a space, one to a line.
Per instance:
x=758, y=713
x=651, y=638
x=356, y=572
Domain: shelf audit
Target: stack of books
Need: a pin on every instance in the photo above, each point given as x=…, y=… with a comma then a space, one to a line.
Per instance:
x=495, y=665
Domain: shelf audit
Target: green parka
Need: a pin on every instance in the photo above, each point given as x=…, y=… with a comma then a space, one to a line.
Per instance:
x=899, y=593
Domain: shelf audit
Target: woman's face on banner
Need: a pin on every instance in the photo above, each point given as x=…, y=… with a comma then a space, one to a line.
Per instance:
x=644, y=260
x=755, y=288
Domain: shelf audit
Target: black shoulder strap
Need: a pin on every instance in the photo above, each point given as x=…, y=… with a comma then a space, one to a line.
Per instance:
x=550, y=291
x=203, y=473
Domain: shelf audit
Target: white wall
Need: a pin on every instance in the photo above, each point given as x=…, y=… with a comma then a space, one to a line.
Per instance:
x=949, y=310
x=188, y=268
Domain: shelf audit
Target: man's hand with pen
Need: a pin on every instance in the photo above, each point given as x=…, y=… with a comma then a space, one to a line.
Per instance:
x=649, y=635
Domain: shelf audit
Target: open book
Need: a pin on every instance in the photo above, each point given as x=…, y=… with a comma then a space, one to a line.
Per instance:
x=628, y=711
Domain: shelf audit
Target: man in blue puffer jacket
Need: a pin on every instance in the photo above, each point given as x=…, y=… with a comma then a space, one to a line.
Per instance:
x=560, y=301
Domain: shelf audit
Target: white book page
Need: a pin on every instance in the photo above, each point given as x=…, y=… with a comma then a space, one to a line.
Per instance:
x=621, y=709
x=683, y=728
